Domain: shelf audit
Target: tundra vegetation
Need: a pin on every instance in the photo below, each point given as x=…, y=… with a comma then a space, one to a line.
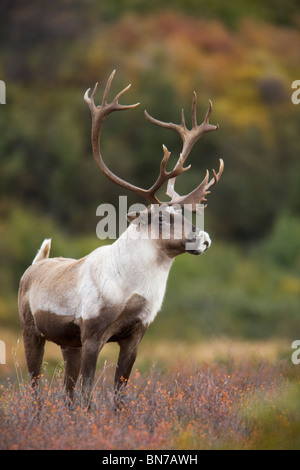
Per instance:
x=232, y=315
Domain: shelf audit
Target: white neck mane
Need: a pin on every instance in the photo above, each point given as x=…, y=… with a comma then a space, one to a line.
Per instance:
x=135, y=266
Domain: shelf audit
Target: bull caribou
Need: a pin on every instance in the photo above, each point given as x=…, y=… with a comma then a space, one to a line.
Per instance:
x=115, y=292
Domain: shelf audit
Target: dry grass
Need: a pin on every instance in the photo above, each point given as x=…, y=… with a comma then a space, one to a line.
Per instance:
x=196, y=409
x=220, y=394
x=166, y=354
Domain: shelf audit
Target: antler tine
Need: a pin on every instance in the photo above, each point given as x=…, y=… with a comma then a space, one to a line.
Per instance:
x=90, y=100
x=194, y=110
x=164, y=175
x=183, y=119
x=208, y=113
x=194, y=198
x=189, y=137
x=217, y=176
x=114, y=105
x=167, y=125
x=118, y=96
x=107, y=88
x=199, y=194
x=170, y=189
x=165, y=159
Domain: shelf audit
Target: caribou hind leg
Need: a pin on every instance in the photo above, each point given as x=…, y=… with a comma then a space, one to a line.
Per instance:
x=34, y=344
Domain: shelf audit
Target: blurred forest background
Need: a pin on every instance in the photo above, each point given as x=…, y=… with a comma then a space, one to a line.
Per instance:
x=244, y=56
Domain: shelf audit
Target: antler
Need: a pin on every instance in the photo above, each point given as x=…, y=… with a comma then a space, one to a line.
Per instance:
x=197, y=195
x=189, y=138
x=99, y=114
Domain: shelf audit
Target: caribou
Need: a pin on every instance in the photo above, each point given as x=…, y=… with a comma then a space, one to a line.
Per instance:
x=115, y=292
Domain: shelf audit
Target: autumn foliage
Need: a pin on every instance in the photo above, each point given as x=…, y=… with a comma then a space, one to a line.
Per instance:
x=244, y=56
x=209, y=407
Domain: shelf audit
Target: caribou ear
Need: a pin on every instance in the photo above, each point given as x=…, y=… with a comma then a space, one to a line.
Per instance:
x=132, y=216
x=138, y=217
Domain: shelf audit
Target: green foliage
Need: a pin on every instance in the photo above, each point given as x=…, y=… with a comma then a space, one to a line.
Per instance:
x=45, y=150
x=229, y=12
x=283, y=246
x=240, y=54
x=276, y=419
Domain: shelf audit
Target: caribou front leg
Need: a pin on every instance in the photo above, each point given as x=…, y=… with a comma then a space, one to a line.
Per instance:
x=72, y=359
x=127, y=357
x=90, y=353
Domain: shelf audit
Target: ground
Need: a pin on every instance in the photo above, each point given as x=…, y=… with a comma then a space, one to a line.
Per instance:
x=218, y=394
